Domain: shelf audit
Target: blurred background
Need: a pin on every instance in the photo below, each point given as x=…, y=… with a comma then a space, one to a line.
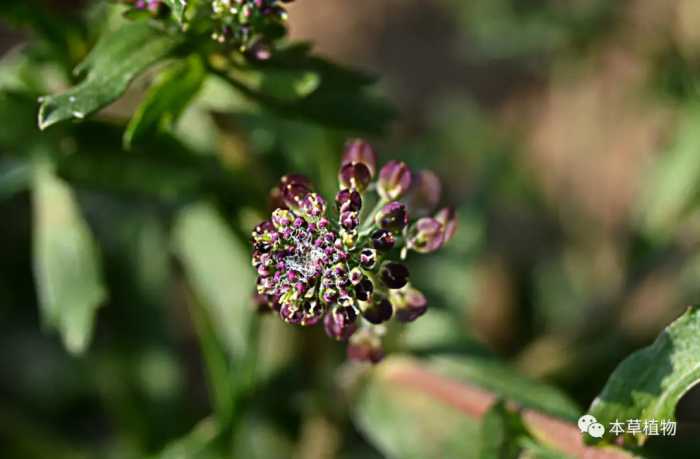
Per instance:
x=567, y=134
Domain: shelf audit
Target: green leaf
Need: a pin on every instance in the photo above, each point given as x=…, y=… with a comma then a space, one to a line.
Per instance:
x=492, y=375
x=500, y=432
x=177, y=7
x=217, y=267
x=405, y=424
x=674, y=180
x=166, y=100
x=117, y=59
x=649, y=383
x=298, y=85
x=66, y=262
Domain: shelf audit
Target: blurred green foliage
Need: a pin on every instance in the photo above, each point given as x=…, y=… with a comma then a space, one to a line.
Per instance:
x=566, y=136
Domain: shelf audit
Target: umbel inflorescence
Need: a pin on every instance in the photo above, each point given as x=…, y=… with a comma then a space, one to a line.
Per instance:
x=346, y=271
x=249, y=25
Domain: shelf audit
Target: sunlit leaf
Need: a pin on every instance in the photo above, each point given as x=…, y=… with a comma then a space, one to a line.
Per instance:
x=66, y=262
x=405, y=424
x=217, y=266
x=432, y=408
x=166, y=100
x=649, y=383
x=117, y=58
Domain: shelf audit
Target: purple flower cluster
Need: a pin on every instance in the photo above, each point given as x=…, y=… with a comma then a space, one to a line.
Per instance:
x=249, y=25
x=344, y=272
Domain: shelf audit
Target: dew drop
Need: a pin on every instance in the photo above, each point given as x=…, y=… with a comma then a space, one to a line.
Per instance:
x=71, y=99
x=79, y=115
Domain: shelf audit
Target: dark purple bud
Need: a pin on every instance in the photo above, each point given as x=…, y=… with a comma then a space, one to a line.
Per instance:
x=348, y=201
x=340, y=323
x=394, y=180
x=409, y=303
x=359, y=151
x=294, y=188
x=354, y=175
x=365, y=347
x=392, y=217
x=394, y=275
x=378, y=310
x=424, y=195
x=368, y=258
x=364, y=289
x=383, y=240
x=448, y=219
x=425, y=236
x=349, y=220
x=313, y=205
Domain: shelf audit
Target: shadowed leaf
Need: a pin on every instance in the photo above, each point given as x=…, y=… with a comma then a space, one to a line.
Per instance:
x=166, y=100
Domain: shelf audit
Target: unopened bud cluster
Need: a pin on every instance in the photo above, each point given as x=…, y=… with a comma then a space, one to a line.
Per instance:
x=347, y=272
x=249, y=25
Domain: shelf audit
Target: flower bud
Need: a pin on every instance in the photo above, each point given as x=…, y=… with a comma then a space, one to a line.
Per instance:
x=359, y=151
x=340, y=323
x=365, y=346
x=355, y=276
x=392, y=217
x=378, y=309
x=394, y=180
x=294, y=188
x=394, y=275
x=368, y=258
x=383, y=240
x=448, y=219
x=313, y=205
x=349, y=220
x=426, y=235
x=364, y=289
x=355, y=176
x=424, y=194
x=409, y=303
x=348, y=201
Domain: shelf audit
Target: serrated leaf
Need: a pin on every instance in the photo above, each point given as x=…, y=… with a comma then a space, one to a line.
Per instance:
x=217, y=267
x=649, y=383
x=166, y=100
x=115, y=61
x=66, y=262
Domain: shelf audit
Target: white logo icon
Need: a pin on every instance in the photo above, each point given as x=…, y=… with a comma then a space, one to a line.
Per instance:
x=590, y=425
